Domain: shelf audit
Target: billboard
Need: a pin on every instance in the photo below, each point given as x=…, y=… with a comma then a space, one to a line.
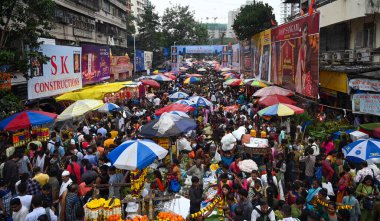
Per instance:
x=148, y=59
x=236, y=57
x=62, y=72
x=226, y=56
x=95, y=64
x=260, y=44
x=139, y=59
x=366, y=104
x=247, y=58
x=295, y=55
x=121, y=64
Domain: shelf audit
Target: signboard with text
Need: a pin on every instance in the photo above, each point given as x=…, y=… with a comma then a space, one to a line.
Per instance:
x=365, y=84
x=148, y=60
x=139, y=60
x=61, y=74
x=236, y=57
x=366, y=104
x=95, y=64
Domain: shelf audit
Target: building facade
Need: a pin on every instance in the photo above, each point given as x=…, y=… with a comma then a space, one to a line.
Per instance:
x=138, y=9
x=216, y=30
x=231, y=18
x=91, y=21
x=287, y=10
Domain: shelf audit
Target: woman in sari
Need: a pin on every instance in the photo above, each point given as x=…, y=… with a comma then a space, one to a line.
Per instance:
x=315, y=188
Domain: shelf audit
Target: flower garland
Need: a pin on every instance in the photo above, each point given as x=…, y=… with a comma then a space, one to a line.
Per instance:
x=138, y=178
x=339, y=207
x=207, y=208
x=103, y=210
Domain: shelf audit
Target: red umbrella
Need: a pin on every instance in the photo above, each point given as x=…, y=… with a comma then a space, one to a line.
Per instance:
x=275, y=99
x=272, y=90
x=150, y=82
x=170, y=76
x=174, y=107
x=232, y=108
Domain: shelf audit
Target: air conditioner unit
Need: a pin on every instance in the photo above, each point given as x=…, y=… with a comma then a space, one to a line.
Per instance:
x=326, y=57
x=349, y=56
x=338, y=57
x=363, y=55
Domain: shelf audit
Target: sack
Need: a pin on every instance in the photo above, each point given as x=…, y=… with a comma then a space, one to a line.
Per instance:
x=369, y=203
x=217, y=156
x=330, y=190
x=188, y=181
x=174, y=186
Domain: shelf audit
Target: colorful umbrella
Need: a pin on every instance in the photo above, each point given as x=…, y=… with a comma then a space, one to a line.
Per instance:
x=234, y=82
x=271, y=90
x=160, y=78
x=363, y=149
x=168, y=125
x=281, y=110
x=174, y=107
x=136, y=154
x=108, y=107
x=156, y=72
x=191, y=80
x=194, y=75
x=185, y=102
x=26, y=119
x=200, y=101
x=275, y=99
x=150, y=82
x=170, y=76
x=178, y=95
x=79, y=108
x=229, y=76
x=257, y=83
x=179, y=113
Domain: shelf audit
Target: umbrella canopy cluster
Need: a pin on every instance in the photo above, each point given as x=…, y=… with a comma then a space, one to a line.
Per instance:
x=272, y=90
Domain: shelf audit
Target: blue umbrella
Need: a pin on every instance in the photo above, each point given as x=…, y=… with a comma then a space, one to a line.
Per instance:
x=160, y=78
x=178, y=95
x=185, y=102
x=181, y=125
x=200, y=101
x=108, y=107
x=26, y=119
x=136, y=154
x=179, y=113
x=363, y=149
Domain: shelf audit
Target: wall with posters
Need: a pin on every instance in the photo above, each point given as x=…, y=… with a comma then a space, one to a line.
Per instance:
x=121, y=67
x=236, y=57
x=260, y=44
x=148, y=59
x=139, y=60
x=95, y=64
x=366, y=104
x=246, y=58
x=62, y=73
x=295, y=55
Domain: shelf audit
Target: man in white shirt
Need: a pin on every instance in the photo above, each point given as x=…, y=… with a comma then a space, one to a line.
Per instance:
x=366, y=170
x=38, y=210
x=19, y=211
x=263, y=211
x=315, y=147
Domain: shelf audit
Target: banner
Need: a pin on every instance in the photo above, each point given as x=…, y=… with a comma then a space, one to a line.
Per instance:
x=366, y=104
x=62, y=73
x=5, y=81
x=199, y=49
x=247, y=59
x=95, y=64
x=295, y=55
x=174, y=58
x=261, y=55
x=121, y=64
x=365, y=84
x=226, y=56
x=236, y=57
x=148, y=59
x=139, y=60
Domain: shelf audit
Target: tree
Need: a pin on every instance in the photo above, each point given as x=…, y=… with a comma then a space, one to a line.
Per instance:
x=9, y=104
x=22, y=23
x=179, y=25
x=252, y=19
x=148, y=26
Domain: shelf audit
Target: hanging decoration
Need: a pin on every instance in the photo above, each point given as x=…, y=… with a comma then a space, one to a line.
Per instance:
x=138, y=178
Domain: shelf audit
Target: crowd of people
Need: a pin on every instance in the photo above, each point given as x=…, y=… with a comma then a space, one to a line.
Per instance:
x=301, y=179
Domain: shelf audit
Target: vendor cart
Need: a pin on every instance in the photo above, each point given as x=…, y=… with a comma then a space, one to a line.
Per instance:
x=257, y=146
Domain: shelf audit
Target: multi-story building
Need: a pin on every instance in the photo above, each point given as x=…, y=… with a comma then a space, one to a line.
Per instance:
x=287, y=10
x=231, y=18
x=91, y=21
x=138, y=9
x=216, y=30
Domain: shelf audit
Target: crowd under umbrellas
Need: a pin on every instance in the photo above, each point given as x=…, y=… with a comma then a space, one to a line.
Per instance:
x=233, y=158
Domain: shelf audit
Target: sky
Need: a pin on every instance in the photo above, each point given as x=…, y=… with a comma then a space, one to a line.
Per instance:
x=212, y=8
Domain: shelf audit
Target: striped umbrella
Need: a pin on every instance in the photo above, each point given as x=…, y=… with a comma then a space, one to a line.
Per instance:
x=281, y=110
x=200, y=101
x=178, y=95
x=108, y=107
x=160, y=78
x=26, y=119
x=191, y=80
x=363, y=149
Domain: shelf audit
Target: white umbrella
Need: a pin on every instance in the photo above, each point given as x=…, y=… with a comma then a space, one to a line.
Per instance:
x=200, y=101
x=201, y=70
x=79, y=108
x=108, y=107
x=226, y=69
x=183, y=69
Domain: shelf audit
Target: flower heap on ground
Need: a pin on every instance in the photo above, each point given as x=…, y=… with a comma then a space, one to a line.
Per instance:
x=138, y=179
x=103, y=210
x=169, y=216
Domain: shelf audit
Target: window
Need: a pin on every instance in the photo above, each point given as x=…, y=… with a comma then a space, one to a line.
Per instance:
x=368, y=35
x=106, y=5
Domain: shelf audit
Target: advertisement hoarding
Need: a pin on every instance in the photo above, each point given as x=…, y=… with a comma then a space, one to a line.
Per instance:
x=121, y=64
x=247, y=59
x=366, y=104
x=261, y=55
x=95, y=64
x=62, y=72
x=236, y=57
x=295, y=55
x=148, y=59
x=139, y=60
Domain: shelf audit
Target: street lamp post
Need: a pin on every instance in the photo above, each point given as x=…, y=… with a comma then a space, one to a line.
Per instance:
x=134, y=51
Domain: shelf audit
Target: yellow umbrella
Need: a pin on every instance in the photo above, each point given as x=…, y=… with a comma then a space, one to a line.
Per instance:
x=96, y=92
x=155, y=72
x=79, y=108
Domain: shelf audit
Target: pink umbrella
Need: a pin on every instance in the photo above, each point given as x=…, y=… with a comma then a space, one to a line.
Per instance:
x=272, y=90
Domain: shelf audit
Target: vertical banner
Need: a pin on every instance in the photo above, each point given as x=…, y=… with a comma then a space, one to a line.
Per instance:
x=96, y=65
x=148, y=59
x=139, y=60
x=174, y=59
x=295, y=55
x=61, y=74
x=247, y=59
x=236, y=57
x=261, y=55
x=225, y=53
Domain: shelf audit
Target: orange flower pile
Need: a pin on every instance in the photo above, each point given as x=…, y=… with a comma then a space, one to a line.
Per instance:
x=139, y=218
x=169, y=216
x=114, y=218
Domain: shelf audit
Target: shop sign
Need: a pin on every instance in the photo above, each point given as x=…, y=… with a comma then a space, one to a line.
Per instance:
x=365, y=84
x=366, y=104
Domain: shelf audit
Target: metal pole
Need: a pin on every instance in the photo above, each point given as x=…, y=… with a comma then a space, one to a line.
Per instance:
x=134, y=51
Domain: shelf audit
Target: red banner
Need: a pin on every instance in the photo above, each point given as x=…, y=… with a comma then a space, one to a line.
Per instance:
x=295, y=54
